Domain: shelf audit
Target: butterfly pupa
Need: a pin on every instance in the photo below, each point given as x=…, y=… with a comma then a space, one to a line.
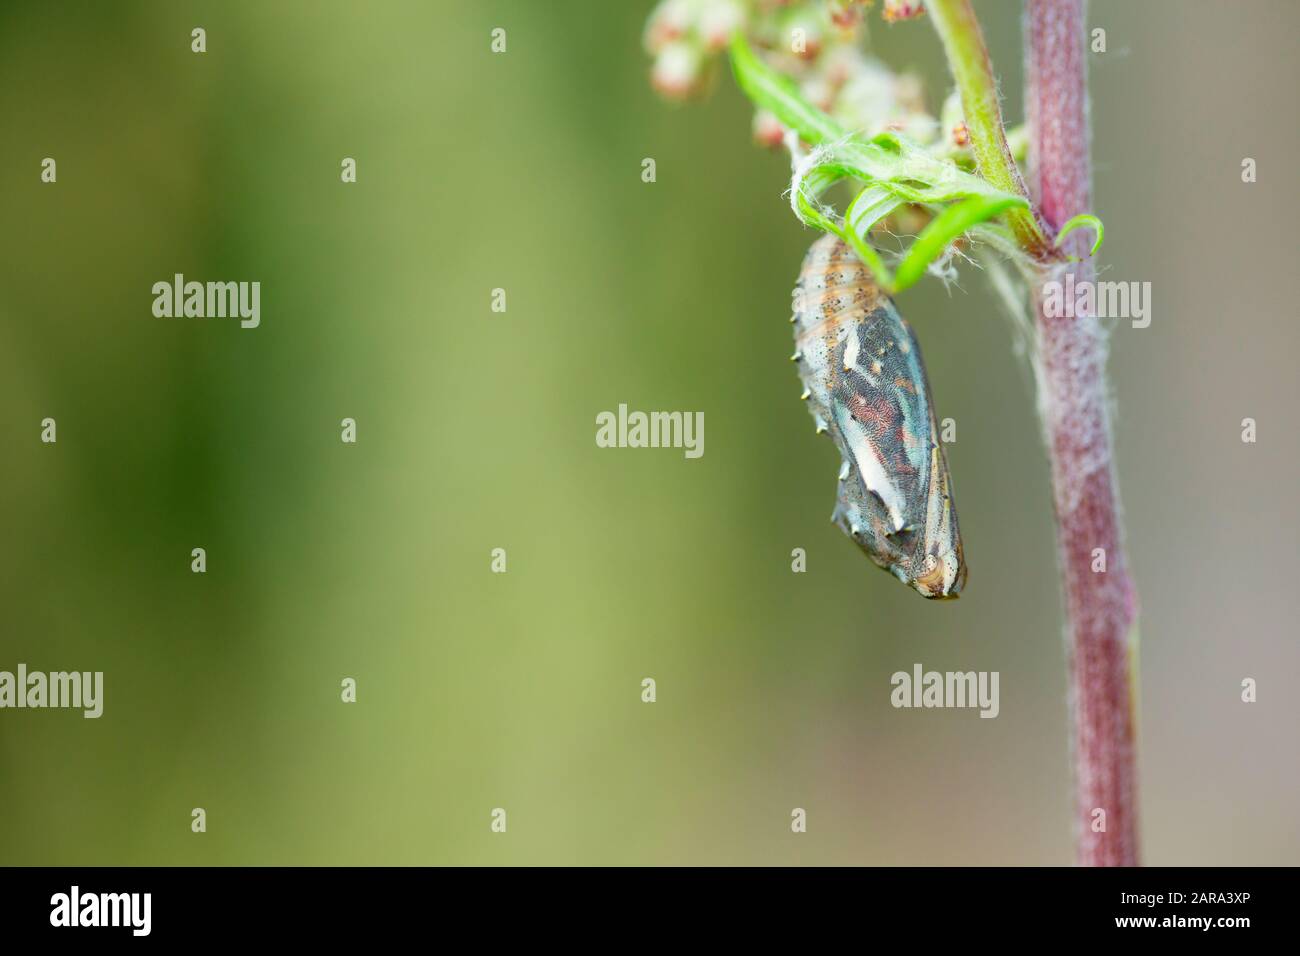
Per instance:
x=866, y=387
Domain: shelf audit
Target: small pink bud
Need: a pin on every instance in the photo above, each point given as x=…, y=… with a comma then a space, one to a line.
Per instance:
x=896, y=10
x=669, y=21
x=676, y=72
x=718, y=21
x=845, y=14
x=768, y=130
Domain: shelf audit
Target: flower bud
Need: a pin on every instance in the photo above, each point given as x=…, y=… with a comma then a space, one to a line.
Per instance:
x=668, y=22
x=718, y=21
x=845, y=14
x=677, y=70
x=895, y=10
x=768, y=130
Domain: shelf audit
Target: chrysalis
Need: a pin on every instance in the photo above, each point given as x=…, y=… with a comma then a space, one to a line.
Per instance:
x=866, y=385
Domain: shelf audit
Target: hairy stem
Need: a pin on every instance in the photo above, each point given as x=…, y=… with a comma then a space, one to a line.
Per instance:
x=963, y=43
x=1101, y=605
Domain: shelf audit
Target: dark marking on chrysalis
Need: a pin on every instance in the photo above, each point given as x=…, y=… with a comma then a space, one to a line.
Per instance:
x=866, y=386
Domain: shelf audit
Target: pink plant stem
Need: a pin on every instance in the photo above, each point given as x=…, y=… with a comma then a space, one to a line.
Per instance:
x=1101, y=606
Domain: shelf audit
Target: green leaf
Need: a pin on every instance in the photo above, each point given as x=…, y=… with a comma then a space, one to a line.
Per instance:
x=954, y=221
x=770, y=89
x=1077, y=222
x=805, y=199
x=893, y=169
x=869, y=207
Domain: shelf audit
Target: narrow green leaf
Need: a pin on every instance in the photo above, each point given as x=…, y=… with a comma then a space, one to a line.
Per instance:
x=893, y=169
x=769, y=89
x=806, y=191
x=943, y=229
x=869, y=207
x=1084, y=219
x=809, y=211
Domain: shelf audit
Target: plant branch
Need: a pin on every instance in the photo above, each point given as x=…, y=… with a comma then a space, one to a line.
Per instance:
x=1101, y=605
x=968, y=59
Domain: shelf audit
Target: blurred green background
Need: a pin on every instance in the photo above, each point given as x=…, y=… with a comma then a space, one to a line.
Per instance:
x=476, y=431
